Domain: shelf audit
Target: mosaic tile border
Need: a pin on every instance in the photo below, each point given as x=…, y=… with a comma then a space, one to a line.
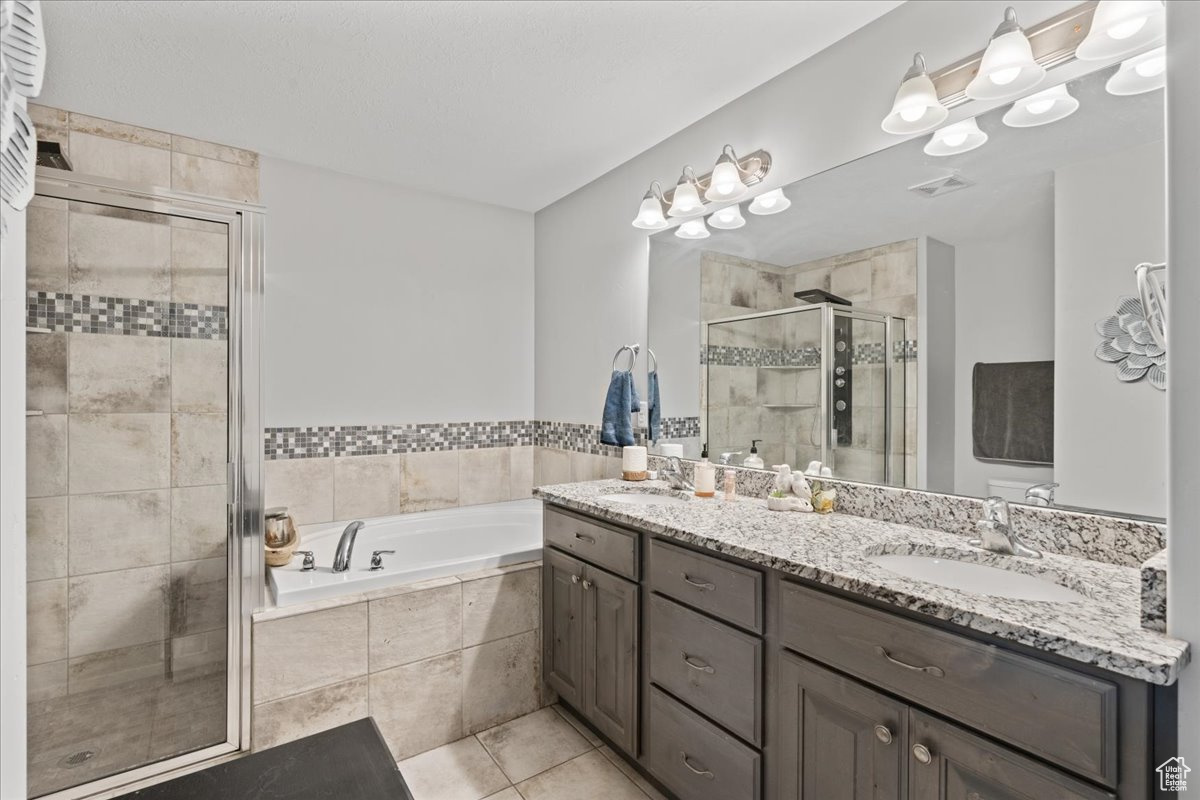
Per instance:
x=372, y=440
x=680, y=427
x=82, y=313
x=863, y=353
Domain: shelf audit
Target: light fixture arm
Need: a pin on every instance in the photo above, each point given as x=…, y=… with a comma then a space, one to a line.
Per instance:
x=1009, y=24
x=918, y=67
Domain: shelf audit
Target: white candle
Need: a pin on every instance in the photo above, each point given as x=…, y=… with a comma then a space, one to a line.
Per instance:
x=633, y=459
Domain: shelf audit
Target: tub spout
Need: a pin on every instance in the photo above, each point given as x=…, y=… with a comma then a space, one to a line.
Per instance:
x=341, y=559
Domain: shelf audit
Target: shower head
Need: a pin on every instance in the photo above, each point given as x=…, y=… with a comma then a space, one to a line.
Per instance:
x=820, y=296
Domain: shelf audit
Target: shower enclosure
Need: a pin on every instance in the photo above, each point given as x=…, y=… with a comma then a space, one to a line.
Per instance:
x=144, y=499
x=822, y=382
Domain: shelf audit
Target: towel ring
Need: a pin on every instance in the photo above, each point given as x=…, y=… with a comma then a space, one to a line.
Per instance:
x=653, y=360
x=633, y=353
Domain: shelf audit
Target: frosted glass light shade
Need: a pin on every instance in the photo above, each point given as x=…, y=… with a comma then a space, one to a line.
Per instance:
x=693, y=229
x=1121, y=27
x=961, y=137
x=1140, y=74
x=686, y=200
x=650, y=216
x=726, y=183
x=1041, y=108
x=771, y=202
x=916, y=108
x=1007, y=69
x=727, y=219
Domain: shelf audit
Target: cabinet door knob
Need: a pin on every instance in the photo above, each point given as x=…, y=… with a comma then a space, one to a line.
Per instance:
x=921, y=754
x=587, y=584
x=574, y=579
x=883, y=734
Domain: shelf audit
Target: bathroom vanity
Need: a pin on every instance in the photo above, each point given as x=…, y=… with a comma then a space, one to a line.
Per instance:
x=736, y=653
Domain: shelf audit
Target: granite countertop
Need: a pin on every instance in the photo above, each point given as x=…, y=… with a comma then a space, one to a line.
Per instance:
x=834, y=549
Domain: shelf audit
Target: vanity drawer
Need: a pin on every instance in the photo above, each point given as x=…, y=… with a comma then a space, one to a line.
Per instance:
x=709, y=665
x=1061, y=715
x=599, y=544
x=728, y=591
x=695, y=759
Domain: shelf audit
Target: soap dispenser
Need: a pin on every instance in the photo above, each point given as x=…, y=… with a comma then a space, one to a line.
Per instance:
x=754, y=460
x=706, y=475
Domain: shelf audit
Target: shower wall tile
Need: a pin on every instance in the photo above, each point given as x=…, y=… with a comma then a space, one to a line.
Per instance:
x=53, y=124
x=116, y=257
x=45, y=538
x=295, y=654
x=309, y=712
x=45, y=682
x=199, y=522
x=220, y=152
x=119, y=531
x=199, y=449
x=46, y=372
x=852, y=281
x=366, y=486
x=198, y=600
x=46, y=621
x=46, y=466
x=117, y=667
x=429, y=481
x=123, y=160
x=204, y=652
x=199, y=376
x=208, y=176
x=110, y=610
x=413, y=626
x=119, y=131
x=46, y=245
x=305, y=486
x=199, y=264
x=119, y=374
x=119, y=452
x=484, y=476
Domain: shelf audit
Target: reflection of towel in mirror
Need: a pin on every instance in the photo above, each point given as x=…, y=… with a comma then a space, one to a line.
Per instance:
x=1012, y=414
x=654, y=424
x=619, y=406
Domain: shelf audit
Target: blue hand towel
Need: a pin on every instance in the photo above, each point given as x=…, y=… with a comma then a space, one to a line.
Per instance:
x=619, y=405
x=655, y=401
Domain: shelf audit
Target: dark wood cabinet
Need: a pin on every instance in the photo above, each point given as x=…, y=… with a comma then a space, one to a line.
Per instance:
x=562, y=625
x=610, y=635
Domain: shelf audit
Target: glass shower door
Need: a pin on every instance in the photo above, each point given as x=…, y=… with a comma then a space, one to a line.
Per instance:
x=128, y=530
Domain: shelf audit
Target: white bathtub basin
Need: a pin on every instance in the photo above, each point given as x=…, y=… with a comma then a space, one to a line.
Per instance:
x=643, y=499
x=977, y=578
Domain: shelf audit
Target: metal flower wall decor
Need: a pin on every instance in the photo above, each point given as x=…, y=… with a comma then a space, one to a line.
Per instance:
x=22, y=66
x=1132, y=339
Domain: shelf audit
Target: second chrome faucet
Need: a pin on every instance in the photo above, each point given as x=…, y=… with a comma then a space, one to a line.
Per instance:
x=996, y=533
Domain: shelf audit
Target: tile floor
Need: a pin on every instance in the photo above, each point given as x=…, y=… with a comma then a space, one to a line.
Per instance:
x=546, y=755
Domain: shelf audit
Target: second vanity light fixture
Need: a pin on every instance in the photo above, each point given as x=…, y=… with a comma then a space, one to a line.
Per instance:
x=1008, y=68
x=729, y=181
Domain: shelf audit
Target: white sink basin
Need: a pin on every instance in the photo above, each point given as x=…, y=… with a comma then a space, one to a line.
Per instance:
x=640, y=499
x=977, y=578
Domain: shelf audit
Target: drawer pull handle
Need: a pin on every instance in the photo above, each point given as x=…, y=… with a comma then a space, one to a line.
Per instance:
x=574, y=579
x=698, y=665
x=583, y=537
x=936, y=672
x=687, y=762
x=921, y=754
x=705, y=585
x=883, y=734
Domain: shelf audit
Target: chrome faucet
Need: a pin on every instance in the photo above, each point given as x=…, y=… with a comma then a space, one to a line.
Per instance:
x=727, y=458
x=341, y=559
x=996, y=533
x=672, y=473
x=1041, y=494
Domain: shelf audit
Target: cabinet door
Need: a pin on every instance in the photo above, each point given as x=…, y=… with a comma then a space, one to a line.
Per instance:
x=610, y=635
x=839, y=740
x=562, y=625
x=949, y=763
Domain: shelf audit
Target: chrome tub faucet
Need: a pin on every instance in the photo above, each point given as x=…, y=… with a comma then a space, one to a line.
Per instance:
x=345, y=547
x=996, y=533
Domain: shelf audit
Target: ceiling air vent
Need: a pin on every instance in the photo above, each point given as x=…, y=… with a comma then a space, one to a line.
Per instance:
x=940, y=186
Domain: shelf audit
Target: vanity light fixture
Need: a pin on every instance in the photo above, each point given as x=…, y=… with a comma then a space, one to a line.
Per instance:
x=686, y=201
x=650, y=215
x=961, y=137
x=1041, y=108
x=693, y=229
x=916, y=108
x=1008, y=68
x=1121, y=27
x=726, y=183
x=771, y=202
x=1140, y=74
x=727, y=219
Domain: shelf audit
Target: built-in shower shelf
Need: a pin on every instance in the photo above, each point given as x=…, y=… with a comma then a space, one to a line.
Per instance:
x=789, y=405
x=31, y=329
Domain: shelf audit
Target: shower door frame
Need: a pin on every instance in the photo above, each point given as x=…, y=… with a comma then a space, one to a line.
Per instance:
x=244, y=500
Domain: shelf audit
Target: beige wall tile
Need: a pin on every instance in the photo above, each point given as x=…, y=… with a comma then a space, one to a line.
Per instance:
x=894, y=273
x=304, y=485
x=551, y=466
x=429, y=480
x=199, y=376
x=500, y=606
x=221, y=152
x=46, y=372
x=213, y=178
x=852, y=281
x=199, y=265
x=119, y=374
x=483, y=476
x=199, y=522
x=307, y=713
x=418, y=706
x=110, y=610
x=126, y=161
x=119, y=452
x=46, y=681
x=119, y=131
x=199, y=449
x=295, y=654
x=45, y=538
x=366, y=486
x=117, y=667
x=500, y=681
x=415, y=626
x=203, y=652
x=588, y=467
x=46, y=248
x=199, y=599
x=46, y=621
x=118, y=257
x=119, y=531
x=46, y=455
x=52, y=124
x=461, y=770
x=520, y=475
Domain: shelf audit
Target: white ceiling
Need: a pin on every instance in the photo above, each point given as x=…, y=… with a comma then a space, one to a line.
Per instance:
x=513, y=103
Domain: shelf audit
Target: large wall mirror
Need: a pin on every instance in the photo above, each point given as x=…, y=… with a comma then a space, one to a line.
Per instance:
x=966, y=323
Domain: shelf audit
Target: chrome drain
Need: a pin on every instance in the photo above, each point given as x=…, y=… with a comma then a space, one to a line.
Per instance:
x=78, y=759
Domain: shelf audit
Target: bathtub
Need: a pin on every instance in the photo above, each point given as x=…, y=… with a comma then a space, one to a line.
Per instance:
x=428, y=544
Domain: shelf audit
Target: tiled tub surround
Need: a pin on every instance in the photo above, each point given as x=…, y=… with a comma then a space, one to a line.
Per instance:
x=432, y=662
x=1105, y=631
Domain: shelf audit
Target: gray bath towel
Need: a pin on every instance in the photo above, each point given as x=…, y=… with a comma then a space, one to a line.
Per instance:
x=1012, y=412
